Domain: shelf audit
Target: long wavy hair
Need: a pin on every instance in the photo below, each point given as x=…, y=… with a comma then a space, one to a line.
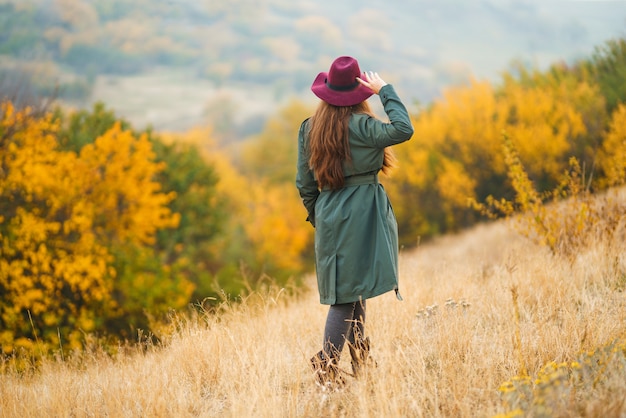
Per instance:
x=329, y=147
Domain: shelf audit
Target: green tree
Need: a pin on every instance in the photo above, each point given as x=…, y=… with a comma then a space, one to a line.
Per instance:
x=192, y=249
x=608, y=67
x=82, y=127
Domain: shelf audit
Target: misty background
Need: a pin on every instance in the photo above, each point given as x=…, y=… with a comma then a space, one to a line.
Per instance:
x=177, y=64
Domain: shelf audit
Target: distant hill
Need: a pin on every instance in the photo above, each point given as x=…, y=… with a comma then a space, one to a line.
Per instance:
x=255, y=54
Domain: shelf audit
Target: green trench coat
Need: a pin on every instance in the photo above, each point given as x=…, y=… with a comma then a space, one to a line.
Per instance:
x=356, y=233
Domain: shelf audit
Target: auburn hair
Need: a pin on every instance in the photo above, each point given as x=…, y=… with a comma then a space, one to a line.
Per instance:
x=329, y=146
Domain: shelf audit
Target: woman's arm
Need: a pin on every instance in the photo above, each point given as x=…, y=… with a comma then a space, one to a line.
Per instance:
x=305, y=180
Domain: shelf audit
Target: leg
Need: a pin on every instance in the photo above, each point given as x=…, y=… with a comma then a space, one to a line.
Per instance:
x=358, y=344
x=345, y=322
x=338, y=326
x=357, y=325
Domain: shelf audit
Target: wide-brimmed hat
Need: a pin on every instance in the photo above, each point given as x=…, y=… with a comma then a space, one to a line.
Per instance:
x=339, y=86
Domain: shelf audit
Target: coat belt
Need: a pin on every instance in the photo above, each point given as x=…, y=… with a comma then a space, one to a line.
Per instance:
x=359, y=179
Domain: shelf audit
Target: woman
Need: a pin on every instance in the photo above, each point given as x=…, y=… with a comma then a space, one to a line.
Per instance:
x=341, y=149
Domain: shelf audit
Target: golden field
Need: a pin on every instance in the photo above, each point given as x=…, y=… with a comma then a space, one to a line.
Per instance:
x=480, y=309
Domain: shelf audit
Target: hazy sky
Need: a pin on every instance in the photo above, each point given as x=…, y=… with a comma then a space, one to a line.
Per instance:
x=422, y=46
x=494, y=32
x=484, y=36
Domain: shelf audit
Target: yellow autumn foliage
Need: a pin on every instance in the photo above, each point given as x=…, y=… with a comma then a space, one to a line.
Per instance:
x=120, y=170
x=456, y=153
x=60, y=212
x=276, y=226
x=269, y=213
x=266, y=231
x=543, y=123
x=612, y=156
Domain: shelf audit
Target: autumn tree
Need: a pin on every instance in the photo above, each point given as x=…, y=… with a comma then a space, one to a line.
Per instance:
x=274, y=219
x=456, y=151
x=64, y=216
x=612, y=156
x=194, y=248
x=271, y=154
x=82, y=127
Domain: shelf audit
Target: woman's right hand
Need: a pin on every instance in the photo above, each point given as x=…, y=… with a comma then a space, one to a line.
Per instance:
x=373, y=81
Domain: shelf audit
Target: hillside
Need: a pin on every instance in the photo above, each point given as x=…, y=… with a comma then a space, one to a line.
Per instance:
x=110, y=233
x=445, y=351
x=170, y=64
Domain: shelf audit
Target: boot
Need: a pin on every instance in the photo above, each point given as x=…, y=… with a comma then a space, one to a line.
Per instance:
x=326, y=372
x=360, y=356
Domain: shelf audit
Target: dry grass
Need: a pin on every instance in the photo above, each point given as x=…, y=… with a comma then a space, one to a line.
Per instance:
x=442, y=352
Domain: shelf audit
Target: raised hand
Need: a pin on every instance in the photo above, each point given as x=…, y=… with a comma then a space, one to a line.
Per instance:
x=372, y=81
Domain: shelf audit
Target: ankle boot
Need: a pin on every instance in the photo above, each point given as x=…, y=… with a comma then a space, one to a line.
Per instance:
x=326, y=371
x=360, y=356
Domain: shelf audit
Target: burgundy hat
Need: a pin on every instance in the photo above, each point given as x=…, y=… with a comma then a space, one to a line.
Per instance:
x=339, y=86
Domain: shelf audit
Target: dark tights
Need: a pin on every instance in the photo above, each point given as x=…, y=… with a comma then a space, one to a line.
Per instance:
x=343, y=322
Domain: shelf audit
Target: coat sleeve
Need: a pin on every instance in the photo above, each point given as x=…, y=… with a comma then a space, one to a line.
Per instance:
x=305, y=180
x=380, y=134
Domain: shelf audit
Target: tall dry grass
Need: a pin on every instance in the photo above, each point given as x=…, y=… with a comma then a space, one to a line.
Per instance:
x=444, y=351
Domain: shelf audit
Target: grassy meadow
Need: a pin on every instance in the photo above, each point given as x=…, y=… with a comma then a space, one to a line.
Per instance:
x=491, y=325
